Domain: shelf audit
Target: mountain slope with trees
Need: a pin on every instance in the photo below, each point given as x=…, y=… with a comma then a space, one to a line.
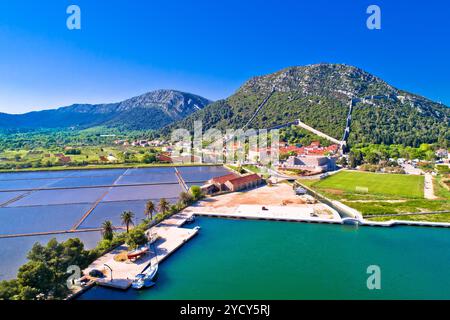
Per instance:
x=319, y=95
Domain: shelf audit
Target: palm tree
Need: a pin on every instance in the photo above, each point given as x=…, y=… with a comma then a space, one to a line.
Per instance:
x=185, y=198
x=163, y=205
x=127, y=219
x=149, y=209
x=107, y=230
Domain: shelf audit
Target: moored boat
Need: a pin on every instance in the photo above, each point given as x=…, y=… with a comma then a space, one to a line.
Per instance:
x=145, y=279
x=137, y=253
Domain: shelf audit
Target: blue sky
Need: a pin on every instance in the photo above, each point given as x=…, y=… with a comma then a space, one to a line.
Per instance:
x=209, y=48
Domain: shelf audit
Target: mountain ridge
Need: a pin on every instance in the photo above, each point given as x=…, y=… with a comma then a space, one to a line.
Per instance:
x=319, y=95
x=162, y=106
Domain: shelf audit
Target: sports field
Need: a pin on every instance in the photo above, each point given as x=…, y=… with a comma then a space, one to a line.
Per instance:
x=357, y=182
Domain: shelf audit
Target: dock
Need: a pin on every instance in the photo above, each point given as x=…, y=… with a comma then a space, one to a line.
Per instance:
x=171, y=236
x=273, y=213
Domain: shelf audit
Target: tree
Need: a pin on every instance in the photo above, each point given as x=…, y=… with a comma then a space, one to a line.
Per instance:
x=355, y=158
x=163, y=205
x=107, y=230
x=149, y=209
x=38, y=275
x=196, y=192
x=372, y=158
x=186, y=198
x=127, y=219
x=136, y=238
x=9, y=289
x=149, y=158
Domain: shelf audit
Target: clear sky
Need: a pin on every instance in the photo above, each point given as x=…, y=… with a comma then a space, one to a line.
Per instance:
x=209, y=47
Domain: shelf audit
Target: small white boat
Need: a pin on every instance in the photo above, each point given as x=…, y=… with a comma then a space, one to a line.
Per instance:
x=190, y=219
x=351, y=221
x=145, y=279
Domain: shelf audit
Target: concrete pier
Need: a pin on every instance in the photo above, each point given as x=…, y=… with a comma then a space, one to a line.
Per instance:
x=170, y=237
x=276, y=213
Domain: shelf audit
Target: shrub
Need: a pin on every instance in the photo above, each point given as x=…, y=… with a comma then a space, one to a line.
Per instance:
x=196, y=192
x=136, y=237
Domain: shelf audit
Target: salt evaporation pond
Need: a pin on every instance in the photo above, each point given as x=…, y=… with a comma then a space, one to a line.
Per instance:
x=67, y=195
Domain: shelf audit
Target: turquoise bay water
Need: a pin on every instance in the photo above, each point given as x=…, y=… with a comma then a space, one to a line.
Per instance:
x=240, y=259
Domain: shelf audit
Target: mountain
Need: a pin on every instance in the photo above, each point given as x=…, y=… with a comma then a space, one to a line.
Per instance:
x=320, y=95
x=152, y=110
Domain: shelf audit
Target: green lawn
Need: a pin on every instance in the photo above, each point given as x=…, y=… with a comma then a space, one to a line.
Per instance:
x=443, y=217
x=378, y=194
x=415, y=205
x=440, y=190
x=366, y=183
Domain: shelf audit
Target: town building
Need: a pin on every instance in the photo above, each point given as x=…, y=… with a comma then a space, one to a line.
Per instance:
x=312, y=163
x=232, y=182
x=244, y=182
x=442, y=153
x=219, y=182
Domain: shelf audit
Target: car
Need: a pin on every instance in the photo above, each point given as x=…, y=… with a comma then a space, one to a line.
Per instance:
x=96, y=273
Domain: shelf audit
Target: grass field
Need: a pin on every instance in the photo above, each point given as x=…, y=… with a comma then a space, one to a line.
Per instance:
x=360, y=183
x=385, y=207
x=379, y=194
x=443, y=217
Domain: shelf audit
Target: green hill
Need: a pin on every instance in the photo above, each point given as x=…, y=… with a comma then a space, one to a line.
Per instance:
x=319, y=95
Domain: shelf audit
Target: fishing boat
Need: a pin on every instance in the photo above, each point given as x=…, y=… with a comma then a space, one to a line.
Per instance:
x=145, y=279
x=137, y=253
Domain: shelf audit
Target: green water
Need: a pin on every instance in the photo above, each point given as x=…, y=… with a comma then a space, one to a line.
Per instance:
x=232, y=259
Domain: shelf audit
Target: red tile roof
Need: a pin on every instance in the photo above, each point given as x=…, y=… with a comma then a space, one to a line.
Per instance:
x=225, y=178
x=245, y=179
x=65, y=159
x=288, y=149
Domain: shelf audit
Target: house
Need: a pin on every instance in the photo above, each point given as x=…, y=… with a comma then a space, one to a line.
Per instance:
x=121, y=142
x=292, y=149
x=442, y=153
x=259, y=154
x=244, y=182
x=219, y=182
x=164, y=157
x=111, y=158
x=65, y=160
x=232, y=182
x=186, y=158
x=310, y=163
x=208, y=188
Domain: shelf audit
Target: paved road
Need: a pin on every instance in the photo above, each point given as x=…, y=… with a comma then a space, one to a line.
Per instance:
x=428, y=191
